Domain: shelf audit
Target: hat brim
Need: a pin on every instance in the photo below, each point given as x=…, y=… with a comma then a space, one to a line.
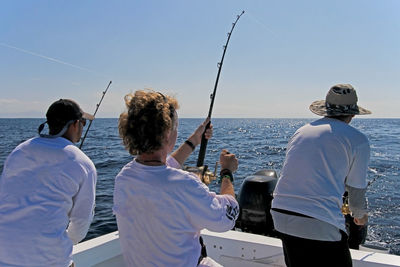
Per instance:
x=87, y=116
x=318, y=107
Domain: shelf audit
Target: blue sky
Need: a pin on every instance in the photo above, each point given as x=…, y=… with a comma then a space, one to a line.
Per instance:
x=282, y=56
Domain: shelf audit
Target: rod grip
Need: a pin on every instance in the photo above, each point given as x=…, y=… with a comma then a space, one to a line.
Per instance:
x=203, y=147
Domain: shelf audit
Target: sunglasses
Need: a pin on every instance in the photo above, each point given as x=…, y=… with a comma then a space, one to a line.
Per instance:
x=83, y=121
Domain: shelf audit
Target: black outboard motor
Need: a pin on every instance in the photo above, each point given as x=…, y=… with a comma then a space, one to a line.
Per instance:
x=254, y=199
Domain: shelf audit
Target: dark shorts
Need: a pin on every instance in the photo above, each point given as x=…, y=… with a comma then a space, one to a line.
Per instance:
x=300, y=252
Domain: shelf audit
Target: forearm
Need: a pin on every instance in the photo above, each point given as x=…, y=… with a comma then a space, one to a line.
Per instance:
x=357, y=201
x=184, y=151
x=82, y=212
x=227, y=187
x=78, y=229
x=226, y=181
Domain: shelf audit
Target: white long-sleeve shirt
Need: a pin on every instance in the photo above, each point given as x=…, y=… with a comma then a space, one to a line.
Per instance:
x=160, y=211
x=47, y=194
x=322, y=158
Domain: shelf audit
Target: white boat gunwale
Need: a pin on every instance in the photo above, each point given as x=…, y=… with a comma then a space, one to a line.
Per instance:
x=232, y=248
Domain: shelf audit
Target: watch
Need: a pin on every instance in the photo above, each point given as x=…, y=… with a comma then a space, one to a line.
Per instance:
x=225, y=173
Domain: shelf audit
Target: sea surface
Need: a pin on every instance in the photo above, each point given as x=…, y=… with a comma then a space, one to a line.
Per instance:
x=258, y=143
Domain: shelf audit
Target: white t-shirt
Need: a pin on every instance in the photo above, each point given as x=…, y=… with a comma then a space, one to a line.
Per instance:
x=47, y=193
x=321, y=158
x=160, y=211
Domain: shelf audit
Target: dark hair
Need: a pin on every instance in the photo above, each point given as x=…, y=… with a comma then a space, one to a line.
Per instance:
x=149, y=117
x=60, y=113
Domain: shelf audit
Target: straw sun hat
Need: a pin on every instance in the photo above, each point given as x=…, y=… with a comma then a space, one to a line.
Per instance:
x=341, y=100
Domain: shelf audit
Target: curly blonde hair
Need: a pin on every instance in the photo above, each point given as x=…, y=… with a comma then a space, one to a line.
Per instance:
x=149, y=117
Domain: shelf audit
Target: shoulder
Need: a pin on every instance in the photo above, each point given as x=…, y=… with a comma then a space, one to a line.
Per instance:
x=340, y=128
x=26, y=144
x=18, y=154
x=355, y=135
x=125, y=170
x=190, y=181
x=79, y=157
x=190, y=177
x=352, y=138
x=24, y=149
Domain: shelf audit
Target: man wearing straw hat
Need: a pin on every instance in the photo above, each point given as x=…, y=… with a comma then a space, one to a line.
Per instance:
x=324, y=159
x=47, y=192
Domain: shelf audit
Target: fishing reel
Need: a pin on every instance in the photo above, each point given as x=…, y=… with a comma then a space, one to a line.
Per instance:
x=345, y=209
x=345, y=206
x=205, y=175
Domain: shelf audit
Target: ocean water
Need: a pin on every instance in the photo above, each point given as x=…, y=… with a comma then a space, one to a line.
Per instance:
x=258, y=143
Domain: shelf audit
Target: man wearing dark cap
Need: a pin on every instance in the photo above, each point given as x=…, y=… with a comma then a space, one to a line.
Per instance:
x=47, y=192
x=324, y=159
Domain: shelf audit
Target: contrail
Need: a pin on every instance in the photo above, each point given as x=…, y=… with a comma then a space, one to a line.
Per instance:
x=48, y=58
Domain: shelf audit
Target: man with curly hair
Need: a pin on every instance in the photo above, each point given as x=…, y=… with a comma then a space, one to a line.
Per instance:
x=161, y=208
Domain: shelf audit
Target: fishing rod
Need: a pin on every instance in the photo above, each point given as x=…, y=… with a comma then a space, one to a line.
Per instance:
x=94, y=114
x=376, y=176
x=345, y=206
x=204, y=141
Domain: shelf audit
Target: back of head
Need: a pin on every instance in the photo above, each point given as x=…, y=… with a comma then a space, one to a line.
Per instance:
x=149, y=117
x=60, y=113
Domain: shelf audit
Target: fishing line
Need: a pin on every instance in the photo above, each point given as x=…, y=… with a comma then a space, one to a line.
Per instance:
x=260, y=22
x=49, y=58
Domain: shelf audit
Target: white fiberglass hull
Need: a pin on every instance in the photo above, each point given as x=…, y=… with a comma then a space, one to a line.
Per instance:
x=231, y=248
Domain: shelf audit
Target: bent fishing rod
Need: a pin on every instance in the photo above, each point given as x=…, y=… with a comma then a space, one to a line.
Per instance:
x=94, y=114
x=204, y=141
x=345, y=205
